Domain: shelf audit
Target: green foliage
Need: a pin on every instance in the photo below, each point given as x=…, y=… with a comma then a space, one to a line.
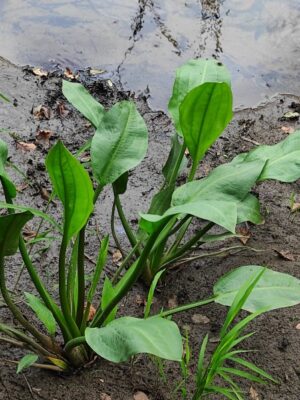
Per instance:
x=4, y=98
x=201, y=108
x=26, y=362
x=119, y=144
x=127, y=336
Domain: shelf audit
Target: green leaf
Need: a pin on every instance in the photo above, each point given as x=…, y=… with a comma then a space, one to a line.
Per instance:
x=33, y=211
x=273, y=290
x=172, y=160
x=190, y=75
x=127, y=336
x=204, y=114
x=10, y=229
x=120, y=185
x=42, y=312
x=249, y=210
x=214, y=198
x=73, y=186
x=26, y=362
x=151, y=293
x=161, y=201
x=8, y=185
x=83, y=101
x=120, y=142
x=282, y=159
x=108, y=293
x=253, y=368
x=4, y=98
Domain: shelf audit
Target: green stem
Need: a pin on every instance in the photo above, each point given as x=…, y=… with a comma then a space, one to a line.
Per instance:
x=181, y=234
x=138, y=270
x=130, y=235
x=45, y=340
x=188, y=244
x=74, y=343
x=81, y=277
x=125, y=262
x=43, y=292
x=113, y=231
x=192, y=172
x=177, y=165
x=186, y=307
x=63, y=291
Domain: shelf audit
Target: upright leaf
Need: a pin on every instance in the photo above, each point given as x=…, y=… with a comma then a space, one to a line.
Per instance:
x=273, y=290
x=10, y=229
x=190, y=75
x=127, y=336
x=169, y=166
x=204, y=114
x=73, y=186
x=108, y=293
x=8, y=185
x=119, y=144
x=83, y=101
x=42, y=312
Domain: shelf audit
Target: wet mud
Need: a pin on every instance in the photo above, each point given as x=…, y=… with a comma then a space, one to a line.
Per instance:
x=276, y=340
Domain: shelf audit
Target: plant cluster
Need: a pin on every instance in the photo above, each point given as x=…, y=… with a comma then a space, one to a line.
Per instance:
x=201, y=108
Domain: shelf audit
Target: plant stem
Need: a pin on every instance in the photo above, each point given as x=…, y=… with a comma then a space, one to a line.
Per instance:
x=62, y=289
x=188, y=244
x=124, y=263
x=177, y=165
x=141, y=264
x=192, y=172
x=113, y=231
x=74, y=343
x=43, y=291
x=130, y=235
x=81, y=277
x=185, y=307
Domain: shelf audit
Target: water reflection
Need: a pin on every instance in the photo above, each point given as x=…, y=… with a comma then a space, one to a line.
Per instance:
x=142, y=41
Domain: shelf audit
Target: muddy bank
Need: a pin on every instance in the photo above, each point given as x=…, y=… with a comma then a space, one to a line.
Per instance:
x=277, y=339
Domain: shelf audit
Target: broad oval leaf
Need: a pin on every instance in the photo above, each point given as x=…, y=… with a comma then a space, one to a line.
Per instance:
x=83, y=101
x=8, y=185
x=42, y=312
x=73, y=186
x=120, y=142
x=26, y=362
x=204, y=114
x=127, y=336
x=10, y=229
x=249, y=210
x=190, y=75
x=283, y=159
x=273, y=290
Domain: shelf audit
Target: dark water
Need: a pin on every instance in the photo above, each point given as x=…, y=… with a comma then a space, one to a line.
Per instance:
x=141, y=42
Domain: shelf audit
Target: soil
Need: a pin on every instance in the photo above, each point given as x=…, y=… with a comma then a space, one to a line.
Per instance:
x=276, y=339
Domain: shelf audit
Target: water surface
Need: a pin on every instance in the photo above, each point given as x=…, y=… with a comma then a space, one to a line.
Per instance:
x=141, y=42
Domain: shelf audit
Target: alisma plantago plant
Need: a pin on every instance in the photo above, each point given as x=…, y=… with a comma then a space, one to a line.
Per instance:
x=201, y=108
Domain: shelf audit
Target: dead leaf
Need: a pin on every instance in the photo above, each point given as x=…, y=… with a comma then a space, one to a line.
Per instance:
x=253, y=394
x=95, y=71
x=295, y=207
x=44, y=194
x=104, y=396
x=22, y=187
x=172, y=302
x=140, y=396
x=285, y=254
x=69, y=74
x=117, y=256
x=139, y=300
x=298, y=326
x=41, y=112
x=200, y=319
x=43, y=137
x=245, y=232
x=26, y=146
x=28, y=234
x=291, y=115
x=110, y=84
x=288, y=129
x=61, y=109
x=92, y=312
x=40, y=72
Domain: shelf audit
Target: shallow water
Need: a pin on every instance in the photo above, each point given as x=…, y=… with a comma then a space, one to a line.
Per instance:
x=141, y=42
